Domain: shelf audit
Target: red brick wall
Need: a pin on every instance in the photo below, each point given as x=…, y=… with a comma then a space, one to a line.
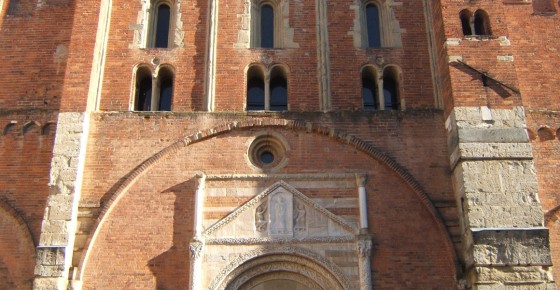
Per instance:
x=232, y=63
x=17, y=250
x=412, y=58
x=546, y=154
x=25, y=165
x=32, y=50
x=534, y=71
x=188, y=61
x=34, y=45
x=481, y=53
x=119, y=142
x=147, y=233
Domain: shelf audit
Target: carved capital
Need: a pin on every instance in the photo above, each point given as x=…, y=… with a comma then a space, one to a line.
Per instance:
x=364, y=248
x=196, y=249
x=361, y=180
x=200, y=180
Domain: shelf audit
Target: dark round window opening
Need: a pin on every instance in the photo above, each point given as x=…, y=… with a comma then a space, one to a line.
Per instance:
x=267, y=153
x=266, y=157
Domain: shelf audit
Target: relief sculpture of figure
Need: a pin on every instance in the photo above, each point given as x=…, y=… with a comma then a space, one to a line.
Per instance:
x=260, y=221
x=280, y=217
x=300, y=217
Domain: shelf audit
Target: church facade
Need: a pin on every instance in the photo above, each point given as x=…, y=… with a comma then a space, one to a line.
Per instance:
x=279, y=144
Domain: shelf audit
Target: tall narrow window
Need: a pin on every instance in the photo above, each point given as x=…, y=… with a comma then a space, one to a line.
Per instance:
x=373, y=29
x=255, y=89
x=162, y=25
x=267, y=26
x=369, y=89
x=165, y=80
x=278, y=90
x=466, y=17
x=390, y=90
x=481, y=23
x=143, y=95
x=13, y=7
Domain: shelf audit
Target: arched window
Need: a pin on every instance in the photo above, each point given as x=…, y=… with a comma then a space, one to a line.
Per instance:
x=466, y=17
x=270, y=93
x=161, y=25
x=165, y=82
x=369, y=89
x=481, y=23
x=267, y=26
x=143, y=94
x=255, y=88
x=391, y=89
x=372, y=24
x=153, y=94
x=278, y=89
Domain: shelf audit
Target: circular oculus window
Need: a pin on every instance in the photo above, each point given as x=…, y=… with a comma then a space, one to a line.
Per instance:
x=267, y=152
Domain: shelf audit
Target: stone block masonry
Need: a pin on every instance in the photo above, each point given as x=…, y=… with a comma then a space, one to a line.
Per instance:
x=56, y=243
x=497, y=194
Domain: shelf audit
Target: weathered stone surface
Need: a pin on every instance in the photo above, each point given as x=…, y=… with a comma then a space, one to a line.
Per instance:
x=477, y=117
x=495, y=150
x=504, y=274
x=50, y=261
x=499, y=193
x=511, y=247
x=49, y=283
x=493, y=135
x=495, y=180
x=517, y=286
x=499, y=176
x=60, y=207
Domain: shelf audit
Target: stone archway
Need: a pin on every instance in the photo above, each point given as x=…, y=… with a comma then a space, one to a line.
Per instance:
x=278, y=281
x=276, y=271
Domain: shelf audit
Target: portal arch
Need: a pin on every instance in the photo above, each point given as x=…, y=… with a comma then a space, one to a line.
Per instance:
x=270, y=265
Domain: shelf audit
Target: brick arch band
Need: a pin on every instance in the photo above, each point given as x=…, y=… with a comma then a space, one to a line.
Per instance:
x=309, y=127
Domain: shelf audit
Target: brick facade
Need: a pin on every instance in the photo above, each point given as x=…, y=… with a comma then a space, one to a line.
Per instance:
x=460, y=181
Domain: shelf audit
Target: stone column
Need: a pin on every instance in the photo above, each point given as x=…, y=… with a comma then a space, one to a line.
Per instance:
x=323, y=64
x=199, y=203
x=197, y=244
x=196, y=247
x=361, y=180
x=364, y=239
x=211, y=55
x=505, y=242
x=364, y=260
x=54, y=252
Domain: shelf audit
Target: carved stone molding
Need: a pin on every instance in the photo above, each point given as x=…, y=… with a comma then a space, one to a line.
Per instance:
x=311, y=261
x=266, y=277
x=264, y=241
x=298, y=265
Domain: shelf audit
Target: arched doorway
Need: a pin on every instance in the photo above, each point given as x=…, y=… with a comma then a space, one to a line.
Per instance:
x=281, y=271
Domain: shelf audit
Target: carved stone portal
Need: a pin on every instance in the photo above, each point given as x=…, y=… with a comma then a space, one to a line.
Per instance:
x=282, y=235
